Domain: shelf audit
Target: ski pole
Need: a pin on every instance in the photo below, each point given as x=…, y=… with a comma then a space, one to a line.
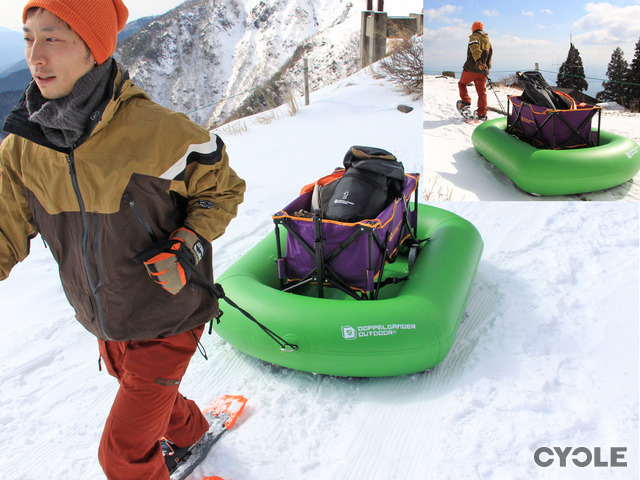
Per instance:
x=490, y=82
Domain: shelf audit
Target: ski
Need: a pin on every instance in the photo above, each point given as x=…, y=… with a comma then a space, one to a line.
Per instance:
x=221, y=414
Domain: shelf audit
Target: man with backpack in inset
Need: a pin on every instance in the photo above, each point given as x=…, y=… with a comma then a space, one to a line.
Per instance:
x=476, y=70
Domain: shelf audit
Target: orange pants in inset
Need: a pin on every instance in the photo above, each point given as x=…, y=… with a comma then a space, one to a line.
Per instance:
x=480, y=82
x=148, y=405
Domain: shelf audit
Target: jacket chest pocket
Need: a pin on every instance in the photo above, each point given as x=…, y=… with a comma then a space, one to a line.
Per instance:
x=140, y=216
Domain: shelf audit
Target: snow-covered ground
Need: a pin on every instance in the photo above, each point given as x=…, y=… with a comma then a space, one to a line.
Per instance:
x=546, y=355
x=456, y=171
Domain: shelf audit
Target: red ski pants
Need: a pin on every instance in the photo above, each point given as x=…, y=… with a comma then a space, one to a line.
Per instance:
x=148, y=405
x=480, y=82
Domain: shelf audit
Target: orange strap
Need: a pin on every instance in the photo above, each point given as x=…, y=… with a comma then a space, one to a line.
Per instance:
x=337, y=173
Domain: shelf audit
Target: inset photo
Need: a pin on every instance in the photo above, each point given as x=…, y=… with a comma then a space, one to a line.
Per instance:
x=531, y=103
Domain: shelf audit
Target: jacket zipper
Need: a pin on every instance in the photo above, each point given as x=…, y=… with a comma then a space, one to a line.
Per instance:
x=141, y=218
x=85, y=242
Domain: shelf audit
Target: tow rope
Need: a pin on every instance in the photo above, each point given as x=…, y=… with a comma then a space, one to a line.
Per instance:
x=217, y=290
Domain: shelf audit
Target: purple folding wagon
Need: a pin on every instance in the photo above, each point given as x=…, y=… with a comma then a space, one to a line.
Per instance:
x=552, y=128
x=348, y=256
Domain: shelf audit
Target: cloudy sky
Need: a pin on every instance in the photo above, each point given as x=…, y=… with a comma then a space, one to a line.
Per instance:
x=11, y=10
x=525, y=33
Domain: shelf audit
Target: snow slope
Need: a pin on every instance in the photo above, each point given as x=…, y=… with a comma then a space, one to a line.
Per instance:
x=547, y=353
x=456, y=171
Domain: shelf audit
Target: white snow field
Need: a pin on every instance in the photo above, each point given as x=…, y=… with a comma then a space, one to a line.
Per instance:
x=546, y=355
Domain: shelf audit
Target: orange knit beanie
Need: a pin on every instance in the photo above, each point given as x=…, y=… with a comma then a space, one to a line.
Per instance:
x=97, y=21
x=477, y=26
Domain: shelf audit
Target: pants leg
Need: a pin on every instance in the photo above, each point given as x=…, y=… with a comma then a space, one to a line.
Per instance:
x=148, y=405
x=185, y=427
x=465, y=79
x=480, y=81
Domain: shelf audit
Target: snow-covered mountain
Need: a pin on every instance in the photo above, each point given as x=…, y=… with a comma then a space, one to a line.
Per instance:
x=12, y=47
x=207, y=58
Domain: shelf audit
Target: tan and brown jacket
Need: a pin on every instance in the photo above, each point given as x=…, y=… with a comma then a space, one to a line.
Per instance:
x=479, y=49
x=142, y=172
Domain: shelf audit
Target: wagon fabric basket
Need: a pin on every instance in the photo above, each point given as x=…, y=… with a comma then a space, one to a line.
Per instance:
x=551, y=128
x=349, y=256
x=550, y=119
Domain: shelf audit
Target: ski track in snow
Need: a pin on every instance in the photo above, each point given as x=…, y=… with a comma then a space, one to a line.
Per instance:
x=546, y=354
x=454, y=170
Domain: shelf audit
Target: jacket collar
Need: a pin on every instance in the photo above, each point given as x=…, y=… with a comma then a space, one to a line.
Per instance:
x=18, y=123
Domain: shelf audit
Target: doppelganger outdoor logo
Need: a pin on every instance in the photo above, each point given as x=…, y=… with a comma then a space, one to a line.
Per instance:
x=362, y=331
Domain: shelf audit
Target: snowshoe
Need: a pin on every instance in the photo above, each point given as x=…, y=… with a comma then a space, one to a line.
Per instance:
x=463, y=108
x=173, y=454
x=465, y=111
x=221, y=415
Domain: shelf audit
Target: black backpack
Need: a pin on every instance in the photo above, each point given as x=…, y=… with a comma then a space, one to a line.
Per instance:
x=538, y=92
x=373, y=178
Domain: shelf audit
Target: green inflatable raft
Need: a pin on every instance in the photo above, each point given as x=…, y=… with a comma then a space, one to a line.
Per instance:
x=558, y=172
x=409, y=328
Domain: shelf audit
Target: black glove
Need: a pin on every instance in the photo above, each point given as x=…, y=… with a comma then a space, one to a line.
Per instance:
x=170, y=262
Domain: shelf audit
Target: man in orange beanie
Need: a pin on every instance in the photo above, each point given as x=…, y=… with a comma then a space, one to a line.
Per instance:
x=476, y=70
x=106, y=176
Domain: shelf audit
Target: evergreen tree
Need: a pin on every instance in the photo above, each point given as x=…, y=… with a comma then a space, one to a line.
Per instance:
x=633, y=79
x=571, y=74
x=615, y=90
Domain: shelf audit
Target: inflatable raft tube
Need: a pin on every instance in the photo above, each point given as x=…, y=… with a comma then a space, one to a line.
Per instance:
x=557, y=172
x=409, y=328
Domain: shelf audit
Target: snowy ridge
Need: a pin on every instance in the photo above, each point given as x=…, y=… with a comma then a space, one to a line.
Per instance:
x=454, y=170
x=204, y=51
